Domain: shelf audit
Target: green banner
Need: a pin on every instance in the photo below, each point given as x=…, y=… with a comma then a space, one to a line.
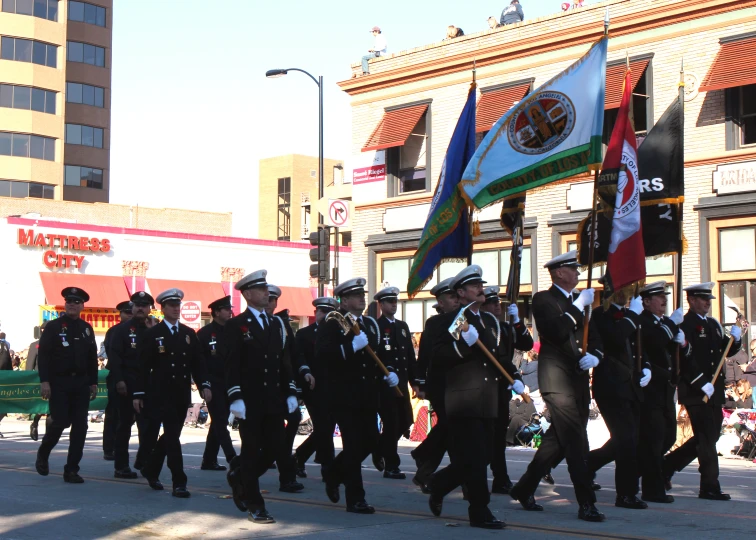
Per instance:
x=19, y=393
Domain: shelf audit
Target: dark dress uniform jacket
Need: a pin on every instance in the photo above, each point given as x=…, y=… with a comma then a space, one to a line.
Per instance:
x=353, y=378
x=31, y=357
x=305, y=346
x=560, y=328
x=78, y=357
x=400, y=358
x=292, y=356
x=708, y=341
x=431, y=375
x=257, y=366
x=472, y=386
x=213, y=344
x=511, y=338
x=659, y=345
x=123, y=352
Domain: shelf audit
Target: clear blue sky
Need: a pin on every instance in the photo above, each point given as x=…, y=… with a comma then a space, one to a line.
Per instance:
x=192, y=111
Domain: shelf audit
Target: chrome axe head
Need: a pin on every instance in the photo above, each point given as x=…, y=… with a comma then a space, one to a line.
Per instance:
x=460, y=323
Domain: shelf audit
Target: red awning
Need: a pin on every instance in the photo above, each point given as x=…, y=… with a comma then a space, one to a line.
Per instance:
x=615, y=77
x=735, y=65
x=394, y=128
x=298, y=300
x=104, y=291
x=494, y=103
x=197, y=291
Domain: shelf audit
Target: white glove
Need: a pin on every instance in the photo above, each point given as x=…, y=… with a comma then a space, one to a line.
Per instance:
x=392, y=379
x=513, y=312
x=677, y=316
x=359, y=342
x=680, y=337
x=517, y=386
x=471, y=336
x=585, y=299
x=646, y=377
x=735, y=332
x=588, y=361
x=636, y=305
x=238, y=409
x=292, y=404
x=708, y=389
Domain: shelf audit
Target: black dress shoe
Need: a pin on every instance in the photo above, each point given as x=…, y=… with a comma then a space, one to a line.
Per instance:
x=360, y=508
x=72, y=478
x=214, y=466
x=527, y=502
x=595, y=486
x=181, y=492
x=501, y=488
x=332, y=491
x=125, y=473
x=714, y=495
x=668, y=483
x=630, y=501
x=291, y=487
x=665, y=499
x=33, y=432
x=588, y=512
x=108, y=456
x=422, y=485
x=396, y=474
x=435, y=504
x=154, y=482
x=548, y=479
x=379, y=462
x=42, y=466
x=488, y=523
x=300, y=471
x=261, y=517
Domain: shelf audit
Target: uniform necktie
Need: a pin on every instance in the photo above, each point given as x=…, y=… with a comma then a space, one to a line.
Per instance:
x=174, y=330
x=264, y=321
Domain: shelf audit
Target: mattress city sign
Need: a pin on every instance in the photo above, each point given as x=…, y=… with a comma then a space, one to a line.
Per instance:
x=50, y=241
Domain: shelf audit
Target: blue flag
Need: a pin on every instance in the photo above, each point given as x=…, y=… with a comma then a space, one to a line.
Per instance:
x=446, y=235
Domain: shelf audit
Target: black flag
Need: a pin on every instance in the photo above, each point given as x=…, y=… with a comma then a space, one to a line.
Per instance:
x=512, y=220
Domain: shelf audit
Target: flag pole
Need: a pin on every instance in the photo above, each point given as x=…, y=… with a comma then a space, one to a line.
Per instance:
x=678, y=276
x=470, y=224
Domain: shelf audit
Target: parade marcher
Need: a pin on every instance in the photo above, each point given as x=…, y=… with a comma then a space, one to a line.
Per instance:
x=432, y=377
x=510, y=337
x=708, y=342
x=122, y=344
x=398, y=355
x=111, y=409
x=261, y=392
x=353, y=386
x=563, y=381
x=314, y=391
x=169, y=357
x=658, y=422
x=67, y=364
x=618, y=391
x=212, y=342
x=31, y=365
x=472, y=401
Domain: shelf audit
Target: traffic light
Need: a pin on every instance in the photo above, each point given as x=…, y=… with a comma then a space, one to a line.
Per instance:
x=321, y=254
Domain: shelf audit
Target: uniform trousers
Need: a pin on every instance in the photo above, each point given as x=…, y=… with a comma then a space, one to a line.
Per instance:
x=622, y=417
x=706, y=421
x=292, y=427
x=125, y=418
x=658, y=433
x=359, y=437
x=501, y=425
x=69, y=407
x=110, y=423
x=431, y=451
x=396, y=415
x=320, y=441
x=566, y=438
x=171, y=415
x=218, y=436
x=470, y=449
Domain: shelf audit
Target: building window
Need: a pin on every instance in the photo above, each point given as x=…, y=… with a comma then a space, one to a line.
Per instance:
x=85, y=94
x=27, y=98
x=284, y=209
x=28, y=146
x=740, y=104
x=21, y=190
x=408, y=165
x=44, y=9
x=306, y=216
x=27, y=50
x=86, y=54
x=84, y=135
x=83, y=176
x=642, y=110
x=86, y=13
x=737, y=249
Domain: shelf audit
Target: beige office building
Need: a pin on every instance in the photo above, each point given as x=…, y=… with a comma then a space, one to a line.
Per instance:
x=55, y=73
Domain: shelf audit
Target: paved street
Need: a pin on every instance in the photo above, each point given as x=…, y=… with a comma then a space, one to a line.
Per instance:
x=37, y=507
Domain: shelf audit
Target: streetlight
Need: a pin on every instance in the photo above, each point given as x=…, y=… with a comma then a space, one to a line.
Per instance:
x=276, y=73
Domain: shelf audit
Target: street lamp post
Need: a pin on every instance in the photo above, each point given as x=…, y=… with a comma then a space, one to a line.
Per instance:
x=275, y=73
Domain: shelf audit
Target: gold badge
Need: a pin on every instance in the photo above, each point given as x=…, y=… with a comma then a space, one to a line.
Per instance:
x=188, y=341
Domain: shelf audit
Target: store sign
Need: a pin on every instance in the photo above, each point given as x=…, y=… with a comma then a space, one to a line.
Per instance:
x=100, y=319
x=191, y=314
x=365, y=175
x=735, y=178
x=50, y=241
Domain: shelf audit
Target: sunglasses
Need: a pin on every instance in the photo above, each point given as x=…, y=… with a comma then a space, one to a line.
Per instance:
x=139, y=304
x=73, y=301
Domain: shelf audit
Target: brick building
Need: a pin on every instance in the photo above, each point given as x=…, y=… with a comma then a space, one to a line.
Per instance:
x=404, y=112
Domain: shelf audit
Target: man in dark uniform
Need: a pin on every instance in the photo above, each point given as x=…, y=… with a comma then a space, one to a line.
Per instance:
x=170, y=357
x=563, y=381
x=31, y=365
x=398, y=355
x=708, y=341
x=432, y=386
x=617, y=389
x=67, y=363
x=472, y=401
x=353, y=386
x=510, y=336
x=122, y=345
x=261, y=391
x=658, y=423
x=212, y=341
x=314, y=390
x=111, y=409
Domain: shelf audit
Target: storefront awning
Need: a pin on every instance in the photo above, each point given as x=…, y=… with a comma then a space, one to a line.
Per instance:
x=104, y=291
x=735, y=65
x=394, y=128
x=196, y=291
x=615, y=77
x=494, y=103
x=298, y=300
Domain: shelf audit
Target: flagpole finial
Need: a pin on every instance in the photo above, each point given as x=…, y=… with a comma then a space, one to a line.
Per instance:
x=475, y=69
x=627, y=59
x=682, y=71
x=606, y=22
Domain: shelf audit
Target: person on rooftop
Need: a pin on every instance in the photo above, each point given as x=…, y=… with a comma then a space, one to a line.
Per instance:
x=512, y=13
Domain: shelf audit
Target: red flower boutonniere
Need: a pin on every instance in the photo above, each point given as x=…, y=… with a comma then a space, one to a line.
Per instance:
x=245, y=329
x=619, y=315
